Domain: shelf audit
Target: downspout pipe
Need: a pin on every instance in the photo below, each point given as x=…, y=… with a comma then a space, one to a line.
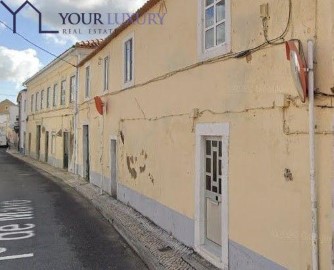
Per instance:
x=314, y=195
x=76, y=104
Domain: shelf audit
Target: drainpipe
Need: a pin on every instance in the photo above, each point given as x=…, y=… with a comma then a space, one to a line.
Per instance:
x=102, y=152
x=76, y=171
x=314, y=197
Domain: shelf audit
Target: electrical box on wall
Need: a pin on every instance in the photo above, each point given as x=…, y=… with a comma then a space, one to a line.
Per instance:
x=264, y=11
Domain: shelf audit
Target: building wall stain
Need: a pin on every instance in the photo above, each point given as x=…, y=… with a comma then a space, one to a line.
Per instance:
x=136, y=164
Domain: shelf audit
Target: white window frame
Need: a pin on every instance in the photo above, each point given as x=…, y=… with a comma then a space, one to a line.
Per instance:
x=72, y=88
x=205, y=54
x=42, y=99
x=130, y=83
x=32, y=103
x=54, y=95
x=202, y=131
x=106, y=70
x=88, y=81
x=63, y=93
x=48, y=95
x=36, y=101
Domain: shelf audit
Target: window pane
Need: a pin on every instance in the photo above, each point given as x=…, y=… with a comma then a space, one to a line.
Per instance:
x=214, y=166
x=208, y=165
x=220, y=33
x=208, y=183
x=220, y=11
x=128, y=60
x=209, y=17
x=208, y=2
x=208, y=147
x=209, y=38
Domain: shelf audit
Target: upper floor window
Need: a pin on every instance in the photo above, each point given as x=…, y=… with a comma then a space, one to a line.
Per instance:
x=128, y=61
x=63, y=92
x=36, y=102
x=55, y=94
x=72, y=88
x=87, y=82
x=48, y=97
x=106, y=73
x=42, y=99
x=32, y=103
x=215, y=27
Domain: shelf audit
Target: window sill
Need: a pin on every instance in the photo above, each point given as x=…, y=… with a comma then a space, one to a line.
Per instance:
x=128, y=84
x=214, y=52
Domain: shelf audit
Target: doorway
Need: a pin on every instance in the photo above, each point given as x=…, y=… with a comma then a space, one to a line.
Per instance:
x=47, y=146
x=29, y=144
x=85, y=147
x=38, y=142
x=24, y=143
x=113, y=167
x=66, y=148
x=211, y=212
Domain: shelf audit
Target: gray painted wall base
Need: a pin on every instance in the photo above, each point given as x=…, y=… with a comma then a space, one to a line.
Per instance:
x=182, y=228
x=242, y=258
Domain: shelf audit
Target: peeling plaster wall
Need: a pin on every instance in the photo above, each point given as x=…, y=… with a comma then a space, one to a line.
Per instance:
x=269, y=201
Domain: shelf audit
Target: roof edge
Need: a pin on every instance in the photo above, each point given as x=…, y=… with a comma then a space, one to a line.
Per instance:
x=140, y=12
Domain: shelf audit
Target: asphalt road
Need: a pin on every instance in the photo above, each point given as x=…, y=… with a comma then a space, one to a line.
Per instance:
x=46, y=225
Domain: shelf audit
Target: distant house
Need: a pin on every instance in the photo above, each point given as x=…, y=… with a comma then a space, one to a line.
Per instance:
x=9, y=121
x=5, y=105
x=22, y=122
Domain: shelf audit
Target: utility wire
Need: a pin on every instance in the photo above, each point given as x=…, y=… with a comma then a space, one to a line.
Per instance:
x=34, y=44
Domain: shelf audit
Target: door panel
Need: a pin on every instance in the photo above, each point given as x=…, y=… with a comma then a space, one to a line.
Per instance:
x=66, y=149
x=213, y=190
x=46, y=146
x=86, y=169
x=113, y=167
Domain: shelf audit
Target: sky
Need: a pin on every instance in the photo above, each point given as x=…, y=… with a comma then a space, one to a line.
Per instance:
x=19, y=60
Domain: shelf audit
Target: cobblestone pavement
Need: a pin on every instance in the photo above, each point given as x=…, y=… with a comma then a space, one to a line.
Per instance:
x=155, y=246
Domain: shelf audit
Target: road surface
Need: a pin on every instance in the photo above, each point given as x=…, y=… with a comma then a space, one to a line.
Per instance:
x=46, y=225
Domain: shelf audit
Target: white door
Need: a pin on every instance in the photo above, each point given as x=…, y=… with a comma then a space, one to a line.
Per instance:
x=213, y=189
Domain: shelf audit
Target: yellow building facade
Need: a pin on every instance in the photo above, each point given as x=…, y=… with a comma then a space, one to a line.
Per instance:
x=51, y=95
x=202, y=129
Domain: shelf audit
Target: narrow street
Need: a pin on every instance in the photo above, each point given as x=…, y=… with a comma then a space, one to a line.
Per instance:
x=46, y=225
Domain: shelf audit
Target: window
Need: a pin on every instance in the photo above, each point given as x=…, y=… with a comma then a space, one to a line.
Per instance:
x=72, y=88
x=128, y=60
x=63, y=92
x=42, y=99
x=106, y=73
x=87, y=85
x=36, y=103
x=215, y=27
x=25, y=105
x=55, y=90
x=48, y=97
x=32, y=103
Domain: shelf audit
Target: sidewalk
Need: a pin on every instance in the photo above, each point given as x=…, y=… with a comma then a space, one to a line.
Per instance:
x=155, y=246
